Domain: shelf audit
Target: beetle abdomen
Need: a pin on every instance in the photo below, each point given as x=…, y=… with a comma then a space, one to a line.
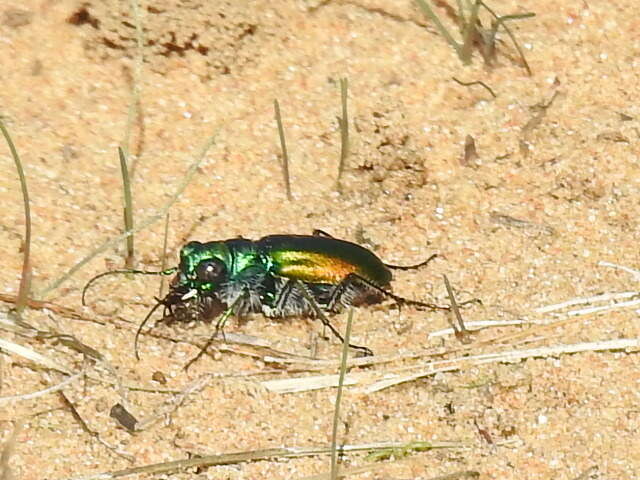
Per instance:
x=316, y=259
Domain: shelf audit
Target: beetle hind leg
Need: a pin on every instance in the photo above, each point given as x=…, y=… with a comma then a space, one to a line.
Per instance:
x=352, y=291
x=296, y=298
x=368, y=289
x=287, y=301
x=321, y=233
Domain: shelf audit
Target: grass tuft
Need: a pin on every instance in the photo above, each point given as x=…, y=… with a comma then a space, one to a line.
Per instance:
x=472, y=32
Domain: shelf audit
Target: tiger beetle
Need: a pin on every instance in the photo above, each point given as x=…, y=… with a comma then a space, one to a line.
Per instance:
x=278, y=276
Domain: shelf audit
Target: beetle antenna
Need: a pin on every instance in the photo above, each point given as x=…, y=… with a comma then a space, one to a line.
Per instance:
x=169, y=271
x=146, y=319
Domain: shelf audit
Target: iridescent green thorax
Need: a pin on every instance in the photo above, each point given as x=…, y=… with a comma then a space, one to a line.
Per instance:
x=317, y=259
x=234, y=257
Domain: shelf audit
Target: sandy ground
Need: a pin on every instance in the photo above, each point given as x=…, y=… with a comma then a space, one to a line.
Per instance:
x=571, y=179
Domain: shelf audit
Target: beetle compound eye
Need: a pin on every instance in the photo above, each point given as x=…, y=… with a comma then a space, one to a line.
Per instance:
x=210, y=271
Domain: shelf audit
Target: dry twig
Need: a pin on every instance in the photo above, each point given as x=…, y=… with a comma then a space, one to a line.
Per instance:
x=254, y=456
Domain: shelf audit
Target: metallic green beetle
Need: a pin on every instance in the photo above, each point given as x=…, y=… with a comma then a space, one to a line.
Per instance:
x=278, y=276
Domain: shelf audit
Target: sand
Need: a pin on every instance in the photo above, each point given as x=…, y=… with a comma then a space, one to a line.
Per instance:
x=523, y=224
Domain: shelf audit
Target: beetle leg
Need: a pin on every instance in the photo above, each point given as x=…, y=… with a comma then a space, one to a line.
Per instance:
x=283, y=297
x=277, y=308
x=321, y=233
x=411, y=267
x=354, y=279
x=338, y=292
x=323, y=318
x=219, y=326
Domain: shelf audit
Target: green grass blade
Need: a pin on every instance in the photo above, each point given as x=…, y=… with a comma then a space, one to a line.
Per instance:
x=336, y=414
x=163, y=264
x=344, y=132
x=430, y=14
x=469, y=33
x=25, y=278
x=134, y=111
x=128, y=208
x=500, y=21
x=285, y=154
x=193, y=168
